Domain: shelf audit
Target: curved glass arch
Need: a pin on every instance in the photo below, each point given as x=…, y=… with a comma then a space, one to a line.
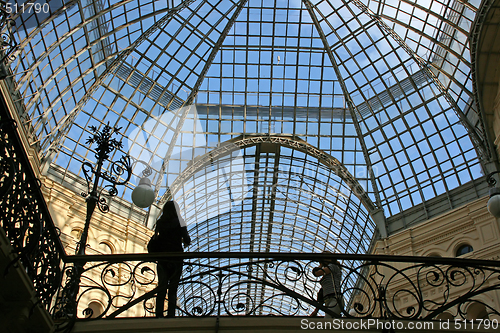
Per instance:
x=269, y=193
x=291, y=203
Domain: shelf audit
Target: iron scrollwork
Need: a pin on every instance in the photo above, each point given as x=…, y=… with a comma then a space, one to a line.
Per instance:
x=405, y=293
x=8, y=43
x=286, y=287
x=75, y=288
x=25, y=218
x=207, y=290
x=119, y=171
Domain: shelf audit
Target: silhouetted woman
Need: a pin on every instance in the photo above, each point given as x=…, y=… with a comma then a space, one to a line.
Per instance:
x=173, y=233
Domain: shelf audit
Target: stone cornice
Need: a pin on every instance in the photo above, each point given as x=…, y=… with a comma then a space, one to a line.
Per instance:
x=446, y=227
x=444, y=236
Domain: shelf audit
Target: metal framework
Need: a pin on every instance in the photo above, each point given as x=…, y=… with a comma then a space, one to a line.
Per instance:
x=403, y=94
x=277, y=125
x=280, y=141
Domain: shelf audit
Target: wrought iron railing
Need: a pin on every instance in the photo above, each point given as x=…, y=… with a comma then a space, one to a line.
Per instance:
x=228, y=284
x=25, y=218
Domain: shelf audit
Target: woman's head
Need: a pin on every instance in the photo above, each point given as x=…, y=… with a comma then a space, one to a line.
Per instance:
x=171, y=210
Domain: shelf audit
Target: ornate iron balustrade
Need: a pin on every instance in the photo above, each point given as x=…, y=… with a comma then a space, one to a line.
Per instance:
x=25, y=218
x=8, y=43
x=281, y=284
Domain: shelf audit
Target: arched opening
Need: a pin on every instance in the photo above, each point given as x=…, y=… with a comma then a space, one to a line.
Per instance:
x=76, y=233
x=96, y=308
x=463, y=249
x=477, y=311
x=105, y=248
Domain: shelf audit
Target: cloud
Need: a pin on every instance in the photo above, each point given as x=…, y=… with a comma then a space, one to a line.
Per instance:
x=213, y=189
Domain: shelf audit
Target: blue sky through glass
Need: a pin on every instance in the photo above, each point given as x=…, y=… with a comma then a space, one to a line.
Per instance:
x=346, y=77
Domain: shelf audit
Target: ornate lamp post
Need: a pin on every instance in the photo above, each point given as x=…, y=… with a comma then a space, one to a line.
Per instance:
x=67, y=302
x=96, y=197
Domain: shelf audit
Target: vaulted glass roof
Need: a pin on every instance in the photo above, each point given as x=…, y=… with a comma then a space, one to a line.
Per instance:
x=293, y=120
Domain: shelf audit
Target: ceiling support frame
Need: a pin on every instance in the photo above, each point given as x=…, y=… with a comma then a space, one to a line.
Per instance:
x=349, y=102
x=478, y=142
x=63, y=127
x=188, y=103
x=380, y=222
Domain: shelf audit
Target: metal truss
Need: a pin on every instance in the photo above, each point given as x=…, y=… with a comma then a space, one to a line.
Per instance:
x=189, y=101
x=474, y=40
x=61, y=131
x=483, y=149
x=350, y=105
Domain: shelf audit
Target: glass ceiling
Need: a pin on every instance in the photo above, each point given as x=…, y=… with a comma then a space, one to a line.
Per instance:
x=277, y=125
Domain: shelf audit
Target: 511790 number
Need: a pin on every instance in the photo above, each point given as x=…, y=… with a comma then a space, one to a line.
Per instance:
x=27, y=8
x=475, y=323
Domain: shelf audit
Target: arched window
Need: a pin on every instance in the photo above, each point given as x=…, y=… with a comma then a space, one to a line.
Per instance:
x=105, y=248
x=76, y=233
x=463, y=249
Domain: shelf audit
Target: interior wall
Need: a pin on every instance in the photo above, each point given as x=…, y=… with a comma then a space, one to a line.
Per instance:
x=109, y=233
x=442, y=236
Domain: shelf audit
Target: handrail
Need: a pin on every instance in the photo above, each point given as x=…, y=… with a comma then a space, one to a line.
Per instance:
x=282, y=256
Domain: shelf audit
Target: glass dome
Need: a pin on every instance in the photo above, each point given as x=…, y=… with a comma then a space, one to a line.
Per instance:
x=277, y=125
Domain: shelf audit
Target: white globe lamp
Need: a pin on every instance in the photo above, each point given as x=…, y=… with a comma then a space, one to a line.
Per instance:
x=494, y=202
x=143, y=195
